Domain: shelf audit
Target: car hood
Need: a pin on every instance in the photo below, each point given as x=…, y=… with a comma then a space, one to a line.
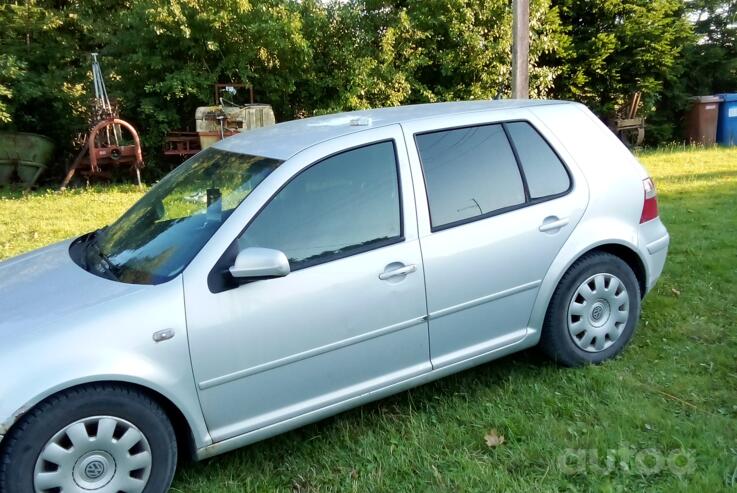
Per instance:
x=43, y=288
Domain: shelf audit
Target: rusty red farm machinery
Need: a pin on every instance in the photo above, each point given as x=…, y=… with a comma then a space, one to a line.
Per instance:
x=110, y=144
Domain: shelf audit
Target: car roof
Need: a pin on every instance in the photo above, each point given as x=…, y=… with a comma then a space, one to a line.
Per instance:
x=284, y=140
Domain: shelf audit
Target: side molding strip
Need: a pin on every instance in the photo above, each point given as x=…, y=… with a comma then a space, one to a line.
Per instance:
x=214, y=382
x=484, y=299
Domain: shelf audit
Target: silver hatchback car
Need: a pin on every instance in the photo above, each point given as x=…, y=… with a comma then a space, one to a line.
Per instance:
x=290, y=273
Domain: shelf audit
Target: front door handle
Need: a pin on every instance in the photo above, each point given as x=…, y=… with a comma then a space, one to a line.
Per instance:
x=552, y=224
x=391, y=273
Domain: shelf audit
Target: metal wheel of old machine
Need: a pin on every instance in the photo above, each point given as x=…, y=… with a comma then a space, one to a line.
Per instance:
x=106, y=146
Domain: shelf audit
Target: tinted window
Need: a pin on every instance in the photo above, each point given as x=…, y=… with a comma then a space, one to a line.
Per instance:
x=469, y=172
x=345, y=204
x=544, y=172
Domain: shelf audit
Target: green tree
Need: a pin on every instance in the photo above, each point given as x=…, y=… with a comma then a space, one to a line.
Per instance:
x=390, y=52
x=166, y=55
x=712, y=62
x=10, y=71
x=44, y=66
x=618, y=47
x=161, y=57
x=707, y=65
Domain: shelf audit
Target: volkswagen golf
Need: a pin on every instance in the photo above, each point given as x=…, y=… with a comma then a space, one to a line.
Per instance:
x=292, y=272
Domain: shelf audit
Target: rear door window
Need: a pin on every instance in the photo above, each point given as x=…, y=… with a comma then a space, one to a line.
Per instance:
x=470, y=173
x=544, y=172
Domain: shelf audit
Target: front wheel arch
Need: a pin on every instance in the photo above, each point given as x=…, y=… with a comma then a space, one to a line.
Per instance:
x=182, y=428
x=73, y=420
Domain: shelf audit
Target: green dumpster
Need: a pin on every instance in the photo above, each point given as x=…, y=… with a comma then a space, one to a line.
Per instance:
x=26, y=154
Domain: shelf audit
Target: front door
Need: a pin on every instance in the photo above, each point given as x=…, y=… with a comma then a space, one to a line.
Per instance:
x=348, y=319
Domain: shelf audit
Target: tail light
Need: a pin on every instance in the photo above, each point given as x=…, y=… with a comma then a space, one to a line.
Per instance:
x=650, y=205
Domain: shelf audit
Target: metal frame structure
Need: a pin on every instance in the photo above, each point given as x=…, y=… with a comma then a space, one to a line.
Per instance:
x=104, y=146
x=628, y=126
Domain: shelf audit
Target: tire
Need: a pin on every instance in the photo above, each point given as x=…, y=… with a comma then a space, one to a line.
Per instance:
x=591, y=329
x=73, y=420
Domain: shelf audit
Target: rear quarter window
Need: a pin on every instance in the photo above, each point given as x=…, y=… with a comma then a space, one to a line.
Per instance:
x=545, y=173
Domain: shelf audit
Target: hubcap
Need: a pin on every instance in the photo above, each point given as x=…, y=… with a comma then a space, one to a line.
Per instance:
x=598, y=312
x=101, y=454
x=94, y=470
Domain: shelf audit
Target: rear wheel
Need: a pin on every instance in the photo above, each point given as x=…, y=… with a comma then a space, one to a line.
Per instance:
x=101, y=438
x=593, y=312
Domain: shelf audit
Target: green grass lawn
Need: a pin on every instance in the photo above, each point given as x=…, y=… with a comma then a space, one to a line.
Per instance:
x=663, y=416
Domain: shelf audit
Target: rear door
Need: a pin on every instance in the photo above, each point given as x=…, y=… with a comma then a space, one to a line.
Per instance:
x=497, y=205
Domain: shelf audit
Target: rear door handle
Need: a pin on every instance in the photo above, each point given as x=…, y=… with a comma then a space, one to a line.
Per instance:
x=552, y=223
x=400, y=271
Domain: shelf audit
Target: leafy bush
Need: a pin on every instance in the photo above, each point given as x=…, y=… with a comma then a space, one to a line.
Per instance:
x=162, y=57
x=618, y=47
x=43, y=78
x=708, y=65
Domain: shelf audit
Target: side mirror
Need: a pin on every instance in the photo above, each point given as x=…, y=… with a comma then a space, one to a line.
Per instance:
x=259, y=263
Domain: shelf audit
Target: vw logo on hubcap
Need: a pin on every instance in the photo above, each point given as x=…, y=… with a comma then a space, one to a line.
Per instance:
x=94, y=470
x=599, y=313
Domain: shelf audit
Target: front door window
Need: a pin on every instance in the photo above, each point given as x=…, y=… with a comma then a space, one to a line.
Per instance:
x=343, y=205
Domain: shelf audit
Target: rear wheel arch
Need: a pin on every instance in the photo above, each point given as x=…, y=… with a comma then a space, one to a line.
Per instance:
x=629, y=256
x=554, y=340
x=565, y=261
x=624, y=252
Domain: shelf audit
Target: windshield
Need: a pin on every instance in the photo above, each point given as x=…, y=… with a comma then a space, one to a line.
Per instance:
x=158, y=237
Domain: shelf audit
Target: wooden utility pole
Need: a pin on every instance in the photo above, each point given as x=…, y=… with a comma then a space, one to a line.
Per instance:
x=520, y=49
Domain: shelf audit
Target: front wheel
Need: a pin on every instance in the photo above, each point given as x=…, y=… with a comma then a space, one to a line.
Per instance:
x=100, y=438
x=593, y=312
